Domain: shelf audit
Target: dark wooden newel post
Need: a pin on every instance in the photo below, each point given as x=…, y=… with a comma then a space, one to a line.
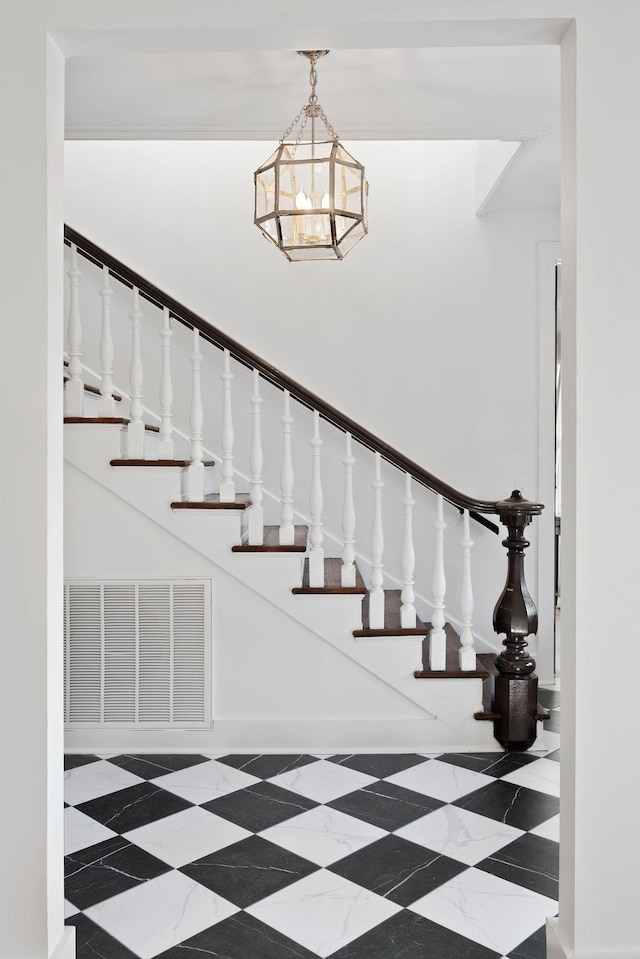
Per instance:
x=515, y=697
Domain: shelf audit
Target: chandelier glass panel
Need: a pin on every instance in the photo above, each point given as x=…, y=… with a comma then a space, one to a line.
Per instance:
x=311, y=195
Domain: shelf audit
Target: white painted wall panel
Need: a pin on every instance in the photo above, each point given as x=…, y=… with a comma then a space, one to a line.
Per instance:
x=444, y=370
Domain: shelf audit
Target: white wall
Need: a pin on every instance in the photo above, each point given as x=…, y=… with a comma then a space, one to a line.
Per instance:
x=31, y=918
x=269, y=673
x=406, y=335
x=597, y=823
x=426, y=334
x=601, y=343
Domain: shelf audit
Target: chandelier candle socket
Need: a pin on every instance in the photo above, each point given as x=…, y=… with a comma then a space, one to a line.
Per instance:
x=311, y=195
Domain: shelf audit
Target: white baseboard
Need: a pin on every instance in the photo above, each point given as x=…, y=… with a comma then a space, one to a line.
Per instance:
x=558, y=948
x=66, y=947
x=314, y=736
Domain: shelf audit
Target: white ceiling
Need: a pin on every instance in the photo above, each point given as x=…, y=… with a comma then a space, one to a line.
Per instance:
x=435, y=93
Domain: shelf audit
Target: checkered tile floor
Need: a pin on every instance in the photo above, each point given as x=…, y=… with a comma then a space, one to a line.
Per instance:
x=294, y=857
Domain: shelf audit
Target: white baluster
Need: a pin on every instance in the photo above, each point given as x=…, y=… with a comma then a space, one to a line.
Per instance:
x=256, y=512
x=195, y=470
x=467, y=652
x=408, y=609
x=316, y=552
x=135, y=429
x=165, y=443
x=376, y=594
x=74, y=390
x=348, y=570
x=106, y=403
x=287, y=529
x=227, y=485
x=437, y=636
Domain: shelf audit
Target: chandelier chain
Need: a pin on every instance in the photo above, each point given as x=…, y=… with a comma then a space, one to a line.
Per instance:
x=310, y=109
x=292, y=125
x=313, y=79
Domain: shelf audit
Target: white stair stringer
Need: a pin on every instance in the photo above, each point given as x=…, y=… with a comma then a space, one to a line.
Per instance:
x=448, y=705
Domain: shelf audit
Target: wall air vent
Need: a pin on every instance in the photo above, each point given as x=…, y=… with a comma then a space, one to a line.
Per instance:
x=137, y=654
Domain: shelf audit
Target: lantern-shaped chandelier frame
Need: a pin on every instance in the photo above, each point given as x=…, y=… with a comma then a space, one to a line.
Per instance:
x=311, y=195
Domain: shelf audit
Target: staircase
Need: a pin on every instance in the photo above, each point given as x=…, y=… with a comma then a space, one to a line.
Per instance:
x=330, y=664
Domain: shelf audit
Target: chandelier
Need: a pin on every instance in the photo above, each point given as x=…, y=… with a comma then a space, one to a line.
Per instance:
x=311, y=194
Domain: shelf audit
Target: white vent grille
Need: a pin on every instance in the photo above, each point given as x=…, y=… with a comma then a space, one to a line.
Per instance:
x=138, y=653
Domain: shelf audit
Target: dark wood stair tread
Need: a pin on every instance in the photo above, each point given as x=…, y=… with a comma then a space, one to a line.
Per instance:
x=94, y=390
x=452, y=669
x=181, y=463
x=332, y=581
x=392, y=604
x=122, y=420
x=271, y=542
x=212, y=501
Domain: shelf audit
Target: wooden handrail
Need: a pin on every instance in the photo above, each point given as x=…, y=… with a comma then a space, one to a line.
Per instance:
x=218, y=338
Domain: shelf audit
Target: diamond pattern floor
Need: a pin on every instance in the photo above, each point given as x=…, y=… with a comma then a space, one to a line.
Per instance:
x=296, y=857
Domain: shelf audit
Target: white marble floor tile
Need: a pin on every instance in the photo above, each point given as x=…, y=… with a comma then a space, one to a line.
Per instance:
x=322, y=781
x=160, y=913
x=70, y=909
x=547, y=742
x=440, y=780
x=496, y=913
x=549, y=829
x=186, y=836
x=81, y=831
x=198, y=784
x=96, y=779
x=459, y=834
x=323, y=912
x=323, y=835
x=543, y=775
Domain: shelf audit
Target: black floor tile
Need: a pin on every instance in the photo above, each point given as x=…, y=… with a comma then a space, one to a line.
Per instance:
x=249, y=870
x=555, y=755
x=528, y=861
x=106, y=869
x=132, y=807
x=514, y=805
x=151, y=766
x=92, y=942
x=239, y=937
x=386, y=805
x=409, y=936
x=72, y=760
x=491, y=764
x=535, y=947
x=266, y=766
x=379, y=765
x=398, y=870
x=259, y=806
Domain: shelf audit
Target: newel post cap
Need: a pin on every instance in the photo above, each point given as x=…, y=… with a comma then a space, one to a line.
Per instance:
x=517, y=506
